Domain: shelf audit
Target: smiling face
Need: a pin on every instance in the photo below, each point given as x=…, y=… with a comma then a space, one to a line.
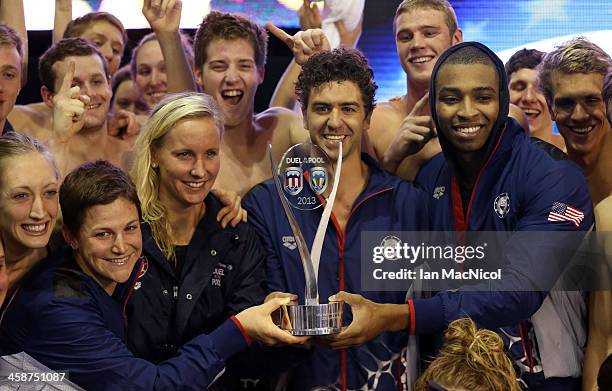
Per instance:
x=421, y=36
x=109, y=40
x=151, y=73
x=10, y=78
x=525, y=94
x=336, y=113
x=467, y=104
x=28, y=201
x=579, y=109
x=90, y=77
x=108, y=243
x=188, y=162
x=231, y=76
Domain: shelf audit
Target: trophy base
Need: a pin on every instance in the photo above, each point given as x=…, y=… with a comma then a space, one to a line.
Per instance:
x=320, y=319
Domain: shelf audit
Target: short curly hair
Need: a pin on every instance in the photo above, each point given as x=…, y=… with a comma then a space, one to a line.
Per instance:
x=220, y=25
x=341, y=64
x=471, y=358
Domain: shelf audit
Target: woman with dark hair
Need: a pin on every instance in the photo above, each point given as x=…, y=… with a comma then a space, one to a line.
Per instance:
x=64, y=315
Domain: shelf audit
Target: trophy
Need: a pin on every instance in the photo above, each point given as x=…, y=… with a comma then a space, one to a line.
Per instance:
x=306, y=172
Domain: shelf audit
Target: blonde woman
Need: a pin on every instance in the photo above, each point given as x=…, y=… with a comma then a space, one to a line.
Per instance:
x=471, y=359
x=29, y=185
x=66, y=315
x=198, y=272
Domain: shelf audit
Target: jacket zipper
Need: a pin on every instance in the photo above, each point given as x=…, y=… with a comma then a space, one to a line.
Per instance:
x=341, y=242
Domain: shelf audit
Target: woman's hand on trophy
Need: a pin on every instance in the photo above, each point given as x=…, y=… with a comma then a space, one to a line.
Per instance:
x=370, y=319
x=281, y=317
x=257, y=322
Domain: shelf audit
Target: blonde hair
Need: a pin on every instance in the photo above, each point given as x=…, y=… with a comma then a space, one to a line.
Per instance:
x=164, y=117
x=16, y=144
x=438, y=5
x=471, y=358
x=576, y=56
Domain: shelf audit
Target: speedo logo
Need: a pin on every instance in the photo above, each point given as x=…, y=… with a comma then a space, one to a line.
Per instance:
x=289, y=242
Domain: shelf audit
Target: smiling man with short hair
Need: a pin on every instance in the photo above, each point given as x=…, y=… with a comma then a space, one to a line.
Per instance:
x=572, y=78
x=336, y=90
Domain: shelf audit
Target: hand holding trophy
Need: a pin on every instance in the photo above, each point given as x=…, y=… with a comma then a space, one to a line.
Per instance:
x=301, y=180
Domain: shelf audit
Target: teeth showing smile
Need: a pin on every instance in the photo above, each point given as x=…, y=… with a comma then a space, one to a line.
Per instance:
x=332, y=137
x=531, y=112
x=419, y=60
x=119, y=261
x=582, y=130
x=157, y=95
x=91, y=107
x=195, y=185
x=469, y=130
x=34, y=228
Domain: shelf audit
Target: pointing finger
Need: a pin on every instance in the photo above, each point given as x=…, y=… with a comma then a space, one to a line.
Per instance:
x=280, y=34
x=421, y=106
x=67, y=80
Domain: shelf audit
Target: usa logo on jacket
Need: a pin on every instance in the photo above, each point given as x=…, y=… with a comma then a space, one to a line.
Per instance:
x=502, y=205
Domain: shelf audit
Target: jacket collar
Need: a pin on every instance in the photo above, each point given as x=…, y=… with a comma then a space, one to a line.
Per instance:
x=206, y=227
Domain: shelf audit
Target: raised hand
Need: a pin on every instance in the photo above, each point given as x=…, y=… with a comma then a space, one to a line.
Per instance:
x=163, y=15
x=68, y=108
x=310, y=16
x=303, y=44
x=349, y=38
x=414, y=132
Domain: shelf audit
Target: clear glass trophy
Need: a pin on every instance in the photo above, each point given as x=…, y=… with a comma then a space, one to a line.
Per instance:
x=305, y=181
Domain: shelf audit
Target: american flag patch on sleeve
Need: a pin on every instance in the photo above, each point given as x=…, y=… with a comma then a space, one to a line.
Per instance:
x=564, y=212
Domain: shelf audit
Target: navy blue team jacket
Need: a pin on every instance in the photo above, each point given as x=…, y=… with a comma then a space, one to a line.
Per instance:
x=386, y=204
x=532, y=177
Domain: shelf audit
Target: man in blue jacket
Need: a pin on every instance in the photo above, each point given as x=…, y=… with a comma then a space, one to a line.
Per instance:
x=490, y=177
x=336, y=90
